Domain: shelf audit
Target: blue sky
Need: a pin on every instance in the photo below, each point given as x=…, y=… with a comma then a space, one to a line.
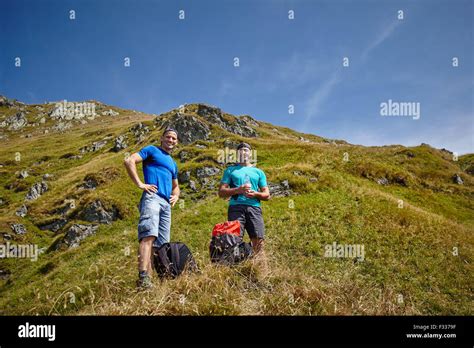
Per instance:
x=282, y=62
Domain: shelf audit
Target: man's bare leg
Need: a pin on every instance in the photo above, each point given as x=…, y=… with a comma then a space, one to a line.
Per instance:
x=144, y=254
x=260, y=260
x=257, y=245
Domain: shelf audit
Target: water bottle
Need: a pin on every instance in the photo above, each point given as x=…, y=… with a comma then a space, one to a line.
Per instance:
x=247, y=182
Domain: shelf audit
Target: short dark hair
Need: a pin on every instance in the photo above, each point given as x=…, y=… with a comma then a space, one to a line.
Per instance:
x=169, y=129
x=242, y=145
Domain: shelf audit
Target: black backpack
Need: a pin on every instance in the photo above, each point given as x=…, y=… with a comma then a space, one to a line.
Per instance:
x=172, y=259
x=229, y=249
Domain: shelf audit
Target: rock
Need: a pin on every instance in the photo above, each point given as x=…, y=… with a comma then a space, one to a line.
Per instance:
x=139, y=131
x=280, y=190
x=23, y=174
x=90, y=183
x=250, y=121
x=457, y=179
x=199, y=146
x=96, y=212
x=297, y=173
x=71, y=156
x=22, y=211
x=110, y=112
x=47, y=176
x=382, y=181
x=15, y=122
x=190, y=129
x=313, y=179
x=7, y=236
x=97, y=145
x=192, y=185
x=208, y=183
x=205, y=172
x=214, y=116
x=61, y=126
x=184, y=156
x=75, y=234
x=410, y=154
x=446, y=150
x=18, y=228
x=43, y=120
x=119, y=143
x=54, y=226
x=37, y=190
x=184, y=177
x=231, y=144
x=4, y=101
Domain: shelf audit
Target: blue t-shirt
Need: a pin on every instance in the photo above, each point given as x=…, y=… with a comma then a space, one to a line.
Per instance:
x=159, y=169
x=236, y=176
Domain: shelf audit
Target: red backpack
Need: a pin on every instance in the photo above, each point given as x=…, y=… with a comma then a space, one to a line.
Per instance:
x=227, y=246
x=228, y=227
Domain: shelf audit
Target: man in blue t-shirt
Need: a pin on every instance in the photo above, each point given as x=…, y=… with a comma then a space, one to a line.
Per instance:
x=246, y=186
x=160, y=193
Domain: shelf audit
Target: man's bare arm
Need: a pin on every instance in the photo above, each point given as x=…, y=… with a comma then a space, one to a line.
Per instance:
x=131, y=166
x=225, y=191
x=263, y=195
x=175, y=192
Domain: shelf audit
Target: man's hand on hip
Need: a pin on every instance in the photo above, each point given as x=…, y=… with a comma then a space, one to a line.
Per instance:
x=148, y=188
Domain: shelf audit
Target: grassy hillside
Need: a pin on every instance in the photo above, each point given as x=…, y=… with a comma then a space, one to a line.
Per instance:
x=401, y=204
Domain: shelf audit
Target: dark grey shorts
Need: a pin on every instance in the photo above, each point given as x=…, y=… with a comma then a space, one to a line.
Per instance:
x=250, y=219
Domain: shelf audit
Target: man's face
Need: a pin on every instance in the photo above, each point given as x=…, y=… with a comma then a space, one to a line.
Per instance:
x=169, y=140
x=244, y=155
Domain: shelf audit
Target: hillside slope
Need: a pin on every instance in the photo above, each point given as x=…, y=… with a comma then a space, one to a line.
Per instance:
x=64, y=188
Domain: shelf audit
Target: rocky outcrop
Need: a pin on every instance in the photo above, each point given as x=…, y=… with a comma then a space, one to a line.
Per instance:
x=95, y=146
x=184, y=177
x=54, y=225
x=189, y=128
x=280, y=190
x=140, y=131
x=120, y=143
x=18, y=228
x=15, y=122
x=205, y=172
x=184, y=156
x=75, y=234
x=36, y=191
x=23, y=174
x=97, y=212
x=457, y=179
x=4, y=101
x=22, y=211
x=192, y=185
x=239, y=126
x=109, y=112
x=61, y=126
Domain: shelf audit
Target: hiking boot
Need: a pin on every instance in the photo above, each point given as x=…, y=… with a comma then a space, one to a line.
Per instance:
x=144, y=282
